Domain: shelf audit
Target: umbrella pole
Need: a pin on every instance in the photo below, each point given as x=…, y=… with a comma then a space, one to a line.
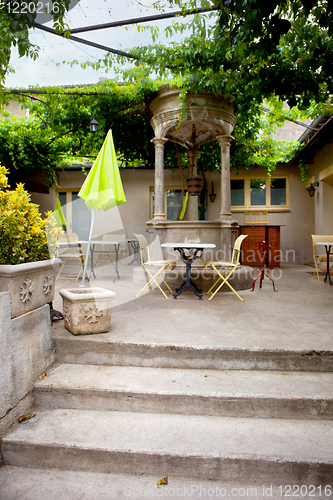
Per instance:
x=88, y=248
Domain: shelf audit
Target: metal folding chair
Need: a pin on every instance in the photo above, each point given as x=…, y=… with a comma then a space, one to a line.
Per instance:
x=233, y=264
x=318, y=258
x=159, y=266
x=70, y=255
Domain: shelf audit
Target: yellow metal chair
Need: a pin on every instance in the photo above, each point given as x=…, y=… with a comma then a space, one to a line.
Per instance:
x=233, y=264
x=318, y=258
x=159, y=266
x=73, y=253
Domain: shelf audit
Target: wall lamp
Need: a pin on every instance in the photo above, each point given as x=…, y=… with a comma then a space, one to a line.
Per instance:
x=312, y=188
x=212, y=195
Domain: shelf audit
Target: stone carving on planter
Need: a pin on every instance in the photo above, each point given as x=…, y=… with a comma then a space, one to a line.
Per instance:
x=87, y=310
x=92, y=314
x=48, y=284
x=30, y=284
x=66, y=314
x=26, y=290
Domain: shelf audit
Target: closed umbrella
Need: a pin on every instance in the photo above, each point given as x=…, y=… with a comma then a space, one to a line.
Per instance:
x=102, y=188
x=59, y=215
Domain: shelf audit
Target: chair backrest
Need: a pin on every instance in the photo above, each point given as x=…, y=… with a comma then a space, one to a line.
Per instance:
x=319, y=238
x=68, y=238
x=114, y=237
x=237, y=246
x=143, y=243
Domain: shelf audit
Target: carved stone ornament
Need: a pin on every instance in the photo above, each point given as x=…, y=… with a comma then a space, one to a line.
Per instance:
x=26, y=290
x=66, y=314
x=48, y=284
x=92, y=314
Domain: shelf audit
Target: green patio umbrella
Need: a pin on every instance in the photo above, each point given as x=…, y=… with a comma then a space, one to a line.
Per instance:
x=59, y=215
x=102, y=188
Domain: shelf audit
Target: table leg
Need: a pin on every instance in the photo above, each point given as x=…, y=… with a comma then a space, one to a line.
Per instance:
x=328, y=274
x=135, y=245
x=188, y=283
x=116, y=272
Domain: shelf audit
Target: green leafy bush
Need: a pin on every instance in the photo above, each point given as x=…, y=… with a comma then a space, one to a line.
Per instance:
x=22, y=229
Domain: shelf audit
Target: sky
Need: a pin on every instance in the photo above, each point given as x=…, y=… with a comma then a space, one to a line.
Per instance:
x=53, y=49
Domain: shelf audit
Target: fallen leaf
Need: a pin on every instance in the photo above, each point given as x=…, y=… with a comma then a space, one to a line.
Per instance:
x=28, y=416
x=42, y=376
x=164, y=480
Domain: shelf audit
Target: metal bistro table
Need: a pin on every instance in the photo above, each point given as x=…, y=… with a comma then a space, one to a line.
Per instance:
x=106, y=243
x=116, y=245
x=328, y=248
x=181, y=248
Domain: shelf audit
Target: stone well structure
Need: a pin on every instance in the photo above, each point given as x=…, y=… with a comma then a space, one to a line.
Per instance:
x=202, y=118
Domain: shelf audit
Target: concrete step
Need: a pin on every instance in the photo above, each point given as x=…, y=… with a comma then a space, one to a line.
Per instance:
x=18, y=483
x=274, y=451
x=104, y=349
x=230, y=393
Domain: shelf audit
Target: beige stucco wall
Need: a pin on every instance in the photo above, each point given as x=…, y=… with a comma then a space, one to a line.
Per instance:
x=322, y=171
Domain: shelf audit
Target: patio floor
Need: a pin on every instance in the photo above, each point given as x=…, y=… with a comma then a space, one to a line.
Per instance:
x=297, y=317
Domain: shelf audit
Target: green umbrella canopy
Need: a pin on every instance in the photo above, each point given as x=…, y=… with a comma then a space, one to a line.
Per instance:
x=59, y=214
x=103, y=188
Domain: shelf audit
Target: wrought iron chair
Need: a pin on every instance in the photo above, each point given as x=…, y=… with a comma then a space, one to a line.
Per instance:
x=233, y=264
x=159, y=266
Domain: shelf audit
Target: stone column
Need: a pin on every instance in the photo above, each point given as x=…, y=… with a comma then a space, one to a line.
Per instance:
x=159, y=210
x=193, y=201
x=225, y=214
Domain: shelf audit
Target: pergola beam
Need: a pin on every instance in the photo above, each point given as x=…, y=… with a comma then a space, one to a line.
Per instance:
x=138, y=20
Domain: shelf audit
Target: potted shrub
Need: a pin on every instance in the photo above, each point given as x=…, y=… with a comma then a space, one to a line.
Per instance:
x=26, y=269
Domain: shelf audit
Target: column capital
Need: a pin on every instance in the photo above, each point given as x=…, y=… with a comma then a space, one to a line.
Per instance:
x=225, y=140
x=159, y=141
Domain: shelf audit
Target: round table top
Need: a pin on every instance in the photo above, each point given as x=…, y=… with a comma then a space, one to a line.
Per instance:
x=199, y=246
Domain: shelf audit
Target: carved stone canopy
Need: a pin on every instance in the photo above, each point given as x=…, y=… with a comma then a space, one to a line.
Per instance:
x=198, y=120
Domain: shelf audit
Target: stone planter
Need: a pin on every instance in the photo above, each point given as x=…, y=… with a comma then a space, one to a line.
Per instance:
x=88, y=310
x=30, y=285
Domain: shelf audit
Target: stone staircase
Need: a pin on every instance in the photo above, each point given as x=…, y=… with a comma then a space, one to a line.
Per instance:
x=118, y=415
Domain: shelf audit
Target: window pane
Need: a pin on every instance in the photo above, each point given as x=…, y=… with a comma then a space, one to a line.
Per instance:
x=237, y=192
x=278, y=192
x=258, y=191
x=173, y=203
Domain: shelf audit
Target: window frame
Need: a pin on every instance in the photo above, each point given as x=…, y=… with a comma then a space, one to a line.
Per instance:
x=247, y=194
x=166, y=188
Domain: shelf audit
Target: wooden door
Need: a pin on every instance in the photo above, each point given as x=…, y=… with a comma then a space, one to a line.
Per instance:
x=250, y=255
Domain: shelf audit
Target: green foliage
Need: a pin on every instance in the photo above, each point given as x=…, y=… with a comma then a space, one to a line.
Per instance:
x=22, y=230
x=53, y=232
x=27, y=149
